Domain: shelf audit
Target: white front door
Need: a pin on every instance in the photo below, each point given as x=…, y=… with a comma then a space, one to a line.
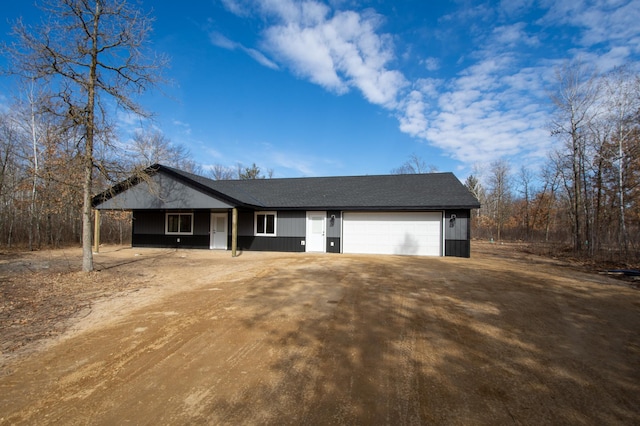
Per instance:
x=316, y=224
x=218, y=231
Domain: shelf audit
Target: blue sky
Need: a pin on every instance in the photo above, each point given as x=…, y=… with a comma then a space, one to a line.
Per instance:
x=313, y=88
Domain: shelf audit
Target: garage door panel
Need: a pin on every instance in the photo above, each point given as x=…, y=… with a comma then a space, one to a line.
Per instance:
x=393, y=233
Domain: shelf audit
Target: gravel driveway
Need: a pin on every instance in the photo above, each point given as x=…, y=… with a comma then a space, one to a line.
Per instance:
x=270, y=338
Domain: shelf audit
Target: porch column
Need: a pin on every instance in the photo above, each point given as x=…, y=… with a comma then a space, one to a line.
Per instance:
x=234, y=232
x=96, y=231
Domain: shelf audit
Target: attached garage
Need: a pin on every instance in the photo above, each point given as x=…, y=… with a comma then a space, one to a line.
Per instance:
x=407, y=233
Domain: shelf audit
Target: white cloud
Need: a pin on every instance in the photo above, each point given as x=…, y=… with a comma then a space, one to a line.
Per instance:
x=220, y=40
x=494, y=107
x=338, y=52
x=491, y=110
x=300, y=164
x=601, y=21
x=307, y=54
x=515, y=7
x=468, y=117
x=236, y=7
x=260, y=58
x=432, y=64
x=512, y=35
x=185, y=128
x=129, y=119
x=411, y=117
x=430, y=87
x=615, y=57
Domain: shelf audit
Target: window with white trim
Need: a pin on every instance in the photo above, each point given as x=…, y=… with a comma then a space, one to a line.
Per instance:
x=179, y=224
x=265, y=224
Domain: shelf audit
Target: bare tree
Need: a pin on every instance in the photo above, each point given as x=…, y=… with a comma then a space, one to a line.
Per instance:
x=622, y=106
x=152, y=146
x=414, y=165
x=525, y=179
x=499, y=194
x=253, y=172
x=220, y=172
x=574, y=98
x=9, y=175
x=475, y=187
x=88, y=51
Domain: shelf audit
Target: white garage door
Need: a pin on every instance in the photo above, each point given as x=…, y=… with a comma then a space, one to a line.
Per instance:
x=417, y=233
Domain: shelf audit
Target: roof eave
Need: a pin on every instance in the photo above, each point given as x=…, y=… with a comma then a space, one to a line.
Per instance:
x=369, y=208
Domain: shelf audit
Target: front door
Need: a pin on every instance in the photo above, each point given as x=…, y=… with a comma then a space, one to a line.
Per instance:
x=316, y=225
x=218, y=231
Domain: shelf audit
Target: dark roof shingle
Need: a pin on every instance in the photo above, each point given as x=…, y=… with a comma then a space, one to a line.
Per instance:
x=409, y=191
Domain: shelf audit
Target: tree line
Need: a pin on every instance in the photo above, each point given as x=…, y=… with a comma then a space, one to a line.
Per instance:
x=59, y=144
x=585, y=198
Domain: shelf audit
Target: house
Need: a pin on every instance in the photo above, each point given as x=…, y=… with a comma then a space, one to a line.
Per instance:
x=413, y=214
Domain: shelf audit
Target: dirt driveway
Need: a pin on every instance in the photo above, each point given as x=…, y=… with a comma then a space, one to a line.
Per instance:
x=196, y=337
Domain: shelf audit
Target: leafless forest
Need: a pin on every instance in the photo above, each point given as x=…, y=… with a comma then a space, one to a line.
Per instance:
x=585, y=200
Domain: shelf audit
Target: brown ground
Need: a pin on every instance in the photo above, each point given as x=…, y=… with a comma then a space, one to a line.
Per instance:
x=176, y=337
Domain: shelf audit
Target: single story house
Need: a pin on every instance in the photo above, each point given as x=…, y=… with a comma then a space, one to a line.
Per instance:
x=411, y=214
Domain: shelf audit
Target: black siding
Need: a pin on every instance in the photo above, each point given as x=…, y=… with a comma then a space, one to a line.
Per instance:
x=149, y=225
x=336, y=245
x=172, y=241
x=288, y=244
x=457, y=233
x=457, y=248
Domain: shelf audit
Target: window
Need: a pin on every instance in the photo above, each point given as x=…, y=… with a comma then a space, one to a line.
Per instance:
x=179, y=224
x=265, y=224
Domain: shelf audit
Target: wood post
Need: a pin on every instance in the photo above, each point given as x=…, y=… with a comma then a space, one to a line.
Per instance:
x=96, y=232
x=234, y=232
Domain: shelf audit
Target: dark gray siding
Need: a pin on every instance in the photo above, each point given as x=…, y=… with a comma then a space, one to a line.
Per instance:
x=291, y=224
x=334, y=231
x=245, y=223
x=149, y=226
x=148, y=222
x=162, y=192
x=457, y=233
x=290, y=232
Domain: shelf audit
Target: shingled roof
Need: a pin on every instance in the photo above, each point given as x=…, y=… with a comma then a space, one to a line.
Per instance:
x=377, y=192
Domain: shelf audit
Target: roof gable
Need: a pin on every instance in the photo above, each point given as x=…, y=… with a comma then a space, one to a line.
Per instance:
x=158, y=191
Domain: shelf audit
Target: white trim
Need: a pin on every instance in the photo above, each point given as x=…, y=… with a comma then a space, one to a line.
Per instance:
x=166, y=223
x=275, y=224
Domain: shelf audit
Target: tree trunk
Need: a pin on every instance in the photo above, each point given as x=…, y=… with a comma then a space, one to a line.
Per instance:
x=87, y=231
x=34, y=188
x=623, y=226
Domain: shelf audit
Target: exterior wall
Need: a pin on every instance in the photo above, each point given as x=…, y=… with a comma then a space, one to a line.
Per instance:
x=334, y=231
x=457, y=233
x=292, y=224
x=148, y=230
x=290, y=232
